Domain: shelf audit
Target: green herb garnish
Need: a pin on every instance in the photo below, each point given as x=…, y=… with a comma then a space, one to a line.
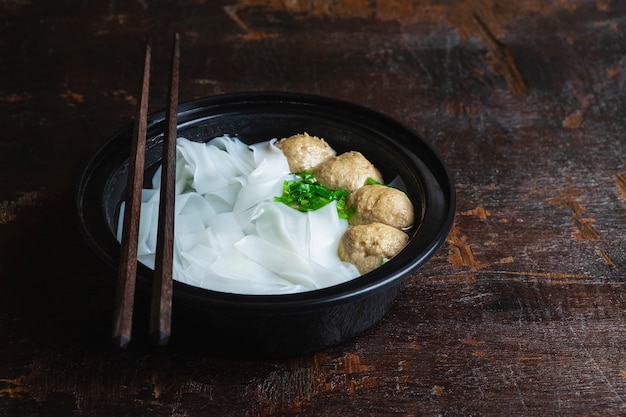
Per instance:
x=307, y=194
x=371, y=181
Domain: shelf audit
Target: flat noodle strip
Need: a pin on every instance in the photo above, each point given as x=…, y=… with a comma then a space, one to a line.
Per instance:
x=125, y=292
x=160, y=319
x=207, y=249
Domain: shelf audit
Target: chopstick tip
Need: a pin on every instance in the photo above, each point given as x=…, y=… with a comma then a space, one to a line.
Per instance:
x=121, y=341
x=160, y=337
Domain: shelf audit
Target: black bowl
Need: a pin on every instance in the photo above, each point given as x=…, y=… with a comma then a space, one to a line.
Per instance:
x=290, y=324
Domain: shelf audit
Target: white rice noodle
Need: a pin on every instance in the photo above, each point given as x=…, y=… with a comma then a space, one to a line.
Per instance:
x=230, y=235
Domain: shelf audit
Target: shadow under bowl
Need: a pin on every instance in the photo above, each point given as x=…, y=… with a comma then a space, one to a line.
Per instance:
x=288, y=324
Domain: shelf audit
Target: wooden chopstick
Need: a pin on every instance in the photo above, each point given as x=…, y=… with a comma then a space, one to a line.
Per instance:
x=160, y=312
x=125, y=292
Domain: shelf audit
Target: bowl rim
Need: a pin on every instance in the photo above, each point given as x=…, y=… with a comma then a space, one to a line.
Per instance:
x=362, y=286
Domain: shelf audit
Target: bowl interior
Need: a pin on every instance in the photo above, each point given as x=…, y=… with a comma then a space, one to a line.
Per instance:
x=395, y=150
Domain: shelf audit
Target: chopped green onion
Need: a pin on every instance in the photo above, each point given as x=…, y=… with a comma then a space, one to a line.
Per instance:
x=371, y=181
x=307, y=194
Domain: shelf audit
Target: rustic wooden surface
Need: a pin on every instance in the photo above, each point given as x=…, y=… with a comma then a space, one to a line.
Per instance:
x=521, y=312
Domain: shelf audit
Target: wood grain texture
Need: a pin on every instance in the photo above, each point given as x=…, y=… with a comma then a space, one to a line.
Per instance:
x=521, y=312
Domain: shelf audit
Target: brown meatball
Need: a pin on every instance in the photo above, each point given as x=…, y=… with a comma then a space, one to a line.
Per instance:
x=303, y=152
x=347, y=171
x=367, y=246
x=381, y=204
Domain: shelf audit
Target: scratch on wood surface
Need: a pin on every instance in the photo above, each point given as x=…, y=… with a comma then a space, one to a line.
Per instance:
x=574, y=120
x=214, y=84
x=567, y=200
x=8, y=209
x=457, y=15
x=507, y=260
x=455, y=107
x=585, y=229
x=204, y=81
x=473, y=342
x=162, y=385
x=49, y=376
x=609, y=24
x=530, y=358
x=487, y=19
x=552, y=277
x=15, y=388
x=603, y=5
x=613, y=71
x=14, y=97
x=586, y=100
x=250, y=34
x=123, y=95
x=345, y=9
x=594, y=365
x=468, y=278
x=72, y=98
x=504, y=59
x=480, y=212
x=496, y=13
x=620, y=180
x=559, y=278
x=605, y=258
x=289, y=390
x=460, y=253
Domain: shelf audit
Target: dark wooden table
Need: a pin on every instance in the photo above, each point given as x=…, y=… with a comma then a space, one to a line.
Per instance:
x=521, y=312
